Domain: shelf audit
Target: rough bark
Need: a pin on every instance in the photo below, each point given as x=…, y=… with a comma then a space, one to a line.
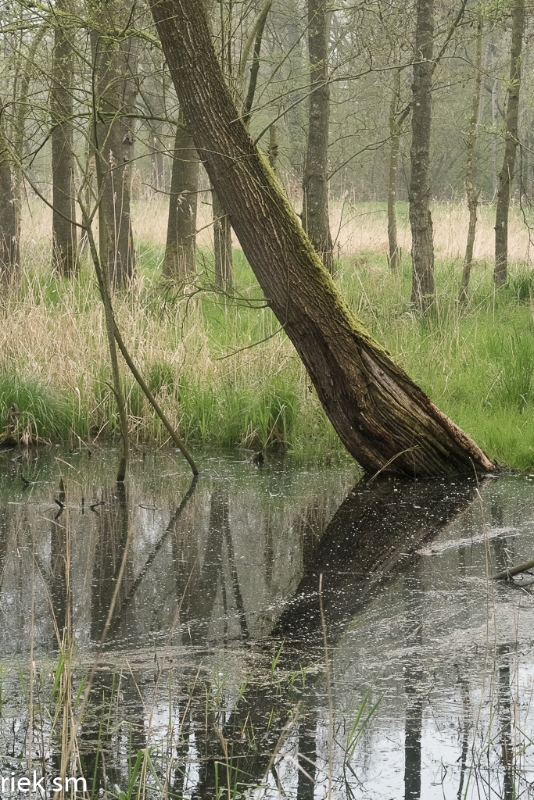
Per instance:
x=471, y=192
x=394, y=135
x=64, y=231
x=9, y=240
x=115, y=67
x=381, y=416
x=420, y=216
x=315, y=184
x=179, y=261
x=506, y=174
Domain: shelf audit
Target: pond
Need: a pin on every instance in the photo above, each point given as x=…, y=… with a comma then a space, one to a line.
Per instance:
x=267, y=631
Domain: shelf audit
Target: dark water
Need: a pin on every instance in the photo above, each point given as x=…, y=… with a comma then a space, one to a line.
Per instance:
x=269, y=632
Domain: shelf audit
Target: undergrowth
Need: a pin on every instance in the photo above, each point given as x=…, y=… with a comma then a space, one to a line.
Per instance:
x=226, y=375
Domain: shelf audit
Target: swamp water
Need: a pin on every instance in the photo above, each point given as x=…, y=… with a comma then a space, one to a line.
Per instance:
x=270, y=631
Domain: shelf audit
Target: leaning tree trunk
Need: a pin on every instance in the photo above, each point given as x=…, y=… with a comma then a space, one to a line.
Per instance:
x=179, y=261
x=115, y=67
x=315, y=184
x=506, y=174
x=64, y=231
x=9, y=240
x=471, y=192
x=420, y=216
x=381, y=416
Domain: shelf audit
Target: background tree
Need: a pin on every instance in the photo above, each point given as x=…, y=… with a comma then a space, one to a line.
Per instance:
x=64, y=231
x=315, y=217
x=115, y=52
x=506, y=174
x=420, y=216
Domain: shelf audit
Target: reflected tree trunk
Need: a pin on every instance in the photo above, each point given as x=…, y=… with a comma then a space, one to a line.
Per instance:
x=413, y=689
x=506, y=174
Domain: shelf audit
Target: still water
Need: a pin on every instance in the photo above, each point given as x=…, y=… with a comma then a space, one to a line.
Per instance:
x=267, y=631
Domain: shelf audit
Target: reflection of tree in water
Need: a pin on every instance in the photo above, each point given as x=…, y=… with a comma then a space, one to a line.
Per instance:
x=363, y=548
x=413, y=679
x=110, y=547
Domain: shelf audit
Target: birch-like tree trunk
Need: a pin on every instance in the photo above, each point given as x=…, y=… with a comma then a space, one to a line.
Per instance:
x=506, y=174
x=315, y=216
x=64, y=231
x=420, y=216
x=470, y=190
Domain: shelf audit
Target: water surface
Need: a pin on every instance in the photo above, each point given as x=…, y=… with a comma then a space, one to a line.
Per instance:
x=273, y=631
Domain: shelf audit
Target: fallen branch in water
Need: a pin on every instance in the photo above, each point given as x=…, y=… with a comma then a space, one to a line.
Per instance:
x=508, y=574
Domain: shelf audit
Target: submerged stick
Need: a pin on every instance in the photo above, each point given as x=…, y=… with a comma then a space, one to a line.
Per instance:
x=508, y=574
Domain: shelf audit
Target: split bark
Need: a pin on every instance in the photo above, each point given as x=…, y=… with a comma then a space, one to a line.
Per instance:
x=385, y=421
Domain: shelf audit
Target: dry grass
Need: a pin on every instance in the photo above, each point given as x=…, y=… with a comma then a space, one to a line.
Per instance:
x=215, y=387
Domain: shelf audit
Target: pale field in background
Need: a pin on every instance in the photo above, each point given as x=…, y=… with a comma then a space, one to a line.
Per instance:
x=360, y=228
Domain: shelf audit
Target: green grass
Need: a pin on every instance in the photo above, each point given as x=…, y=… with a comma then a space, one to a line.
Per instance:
x=226, y=376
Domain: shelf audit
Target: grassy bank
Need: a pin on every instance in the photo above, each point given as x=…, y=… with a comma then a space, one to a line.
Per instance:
x=198, y=355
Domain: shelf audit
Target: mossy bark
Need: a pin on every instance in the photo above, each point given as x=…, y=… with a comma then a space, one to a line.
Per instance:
x=384, y=420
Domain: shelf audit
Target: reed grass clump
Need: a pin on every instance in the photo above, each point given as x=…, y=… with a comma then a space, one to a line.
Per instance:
x=224, y=372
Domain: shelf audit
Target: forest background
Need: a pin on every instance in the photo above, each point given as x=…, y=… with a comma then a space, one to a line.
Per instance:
x=96, y=159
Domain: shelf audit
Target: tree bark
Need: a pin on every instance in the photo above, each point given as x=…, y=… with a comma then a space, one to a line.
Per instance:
x=471, y=192
x=419, y=195
x=315, y=217
x=180, y=250
x=385, y=421
x=64, y=232
x=222, y=244
x=9, y=240
x=115, y=64
x=394, y=135
x=506, y=174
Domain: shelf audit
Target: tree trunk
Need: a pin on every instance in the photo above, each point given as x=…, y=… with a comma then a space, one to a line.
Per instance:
x=315, y=184
x=420, y=216
x=115, y=67
x=382, y=417
x=506, y=175
x=64, y=232
x=471, y=192
x=179, y=261
x=9, y=240
x=394, y=135
x=222, y=244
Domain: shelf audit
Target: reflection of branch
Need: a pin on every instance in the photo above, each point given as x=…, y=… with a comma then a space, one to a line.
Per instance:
x=150, y=560
x=508, y=574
